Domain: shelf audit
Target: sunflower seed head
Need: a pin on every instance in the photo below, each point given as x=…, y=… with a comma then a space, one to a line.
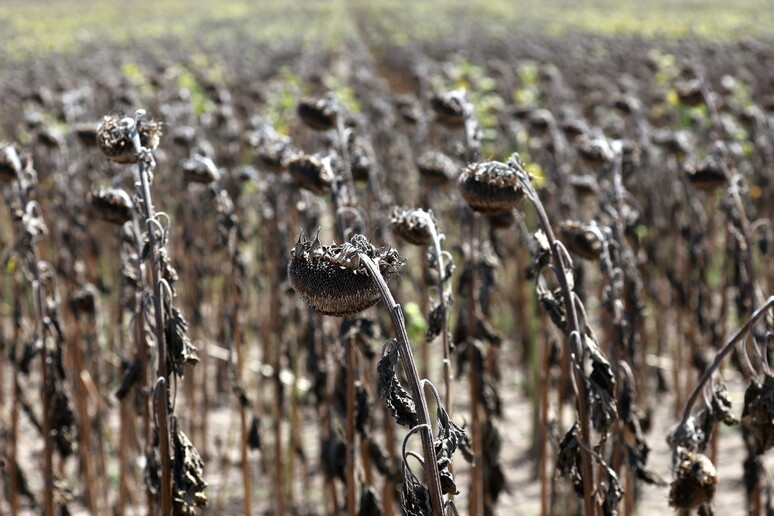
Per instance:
x=412, y=225
x=595, y=151
x=436, y=168
x=696, y=480
x=706, y=175
x=449, y=107
x=319, y=114
x=333, y=279
x=689, y=92
x=114, y=137
x=584, y=240
x=200, y=169
x=313, y=172
x=491, y=187
x=111, y=204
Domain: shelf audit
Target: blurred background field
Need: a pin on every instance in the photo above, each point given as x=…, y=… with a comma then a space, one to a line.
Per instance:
x=31, y=26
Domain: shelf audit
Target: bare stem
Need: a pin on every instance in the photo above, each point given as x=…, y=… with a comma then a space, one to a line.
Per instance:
x=404, y=349
x=447, y=375
x=575, y=336
x=161, y=368
x=722, y=354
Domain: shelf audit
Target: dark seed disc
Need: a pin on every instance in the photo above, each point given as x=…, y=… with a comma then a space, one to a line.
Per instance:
x=490, y=187
x=411, y=226
x=330, y=288
x=318, y=114
x=333, y=280
x=111, y=205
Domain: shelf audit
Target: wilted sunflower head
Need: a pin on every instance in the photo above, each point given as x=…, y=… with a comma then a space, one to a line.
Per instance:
x=86, y=133
x=200, y=169
x=491, y=187
x=696, y=480
x=332, y=278
x=111, y=204
x=595, y=152
x=319, y=113
x=412, y=225
x=114, y=137
x=706, y=175
x=436, y=168
x=689, y=92
x=312, y=171
x=449, y=107
x=272, y=150
x=584, y=240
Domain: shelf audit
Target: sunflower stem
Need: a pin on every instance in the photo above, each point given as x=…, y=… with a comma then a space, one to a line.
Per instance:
x=404, y=349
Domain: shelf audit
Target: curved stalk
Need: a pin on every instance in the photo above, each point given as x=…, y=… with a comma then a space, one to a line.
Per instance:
x=574, y=335
x=412, y=375
x=442, y=301
x=145, y=164
x=721, y=355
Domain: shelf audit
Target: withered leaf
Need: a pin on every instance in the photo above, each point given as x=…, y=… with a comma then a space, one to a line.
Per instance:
x=568, y=459
x=449, y=438
x=758, y=413
x=187, y=474
x=399, y=401
x=435, y=321
x=180, y=350
x=601, y=385
x=333, y=454
x=415, y=498
x=612, y=492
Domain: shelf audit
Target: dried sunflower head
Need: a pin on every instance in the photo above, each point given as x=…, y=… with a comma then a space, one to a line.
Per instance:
x=574, y=128
x=585, y=184
x=408, y=109
x=200, y=169
x=319, y=113
x=696, y=480
x=596, y=152
x=449, y=107
x=272, y=150
x=584, y=240
x=312, y=172
x=332, y=278
x=674, y=142
x=273, y=156
x=114, y=137
x=689, y=92
x=86, y=133
x=111, y=204
x=539, y=120
x=490, y=187
x=627, y=104
x=706, y=175
x=412, y=225
x=436, y=168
